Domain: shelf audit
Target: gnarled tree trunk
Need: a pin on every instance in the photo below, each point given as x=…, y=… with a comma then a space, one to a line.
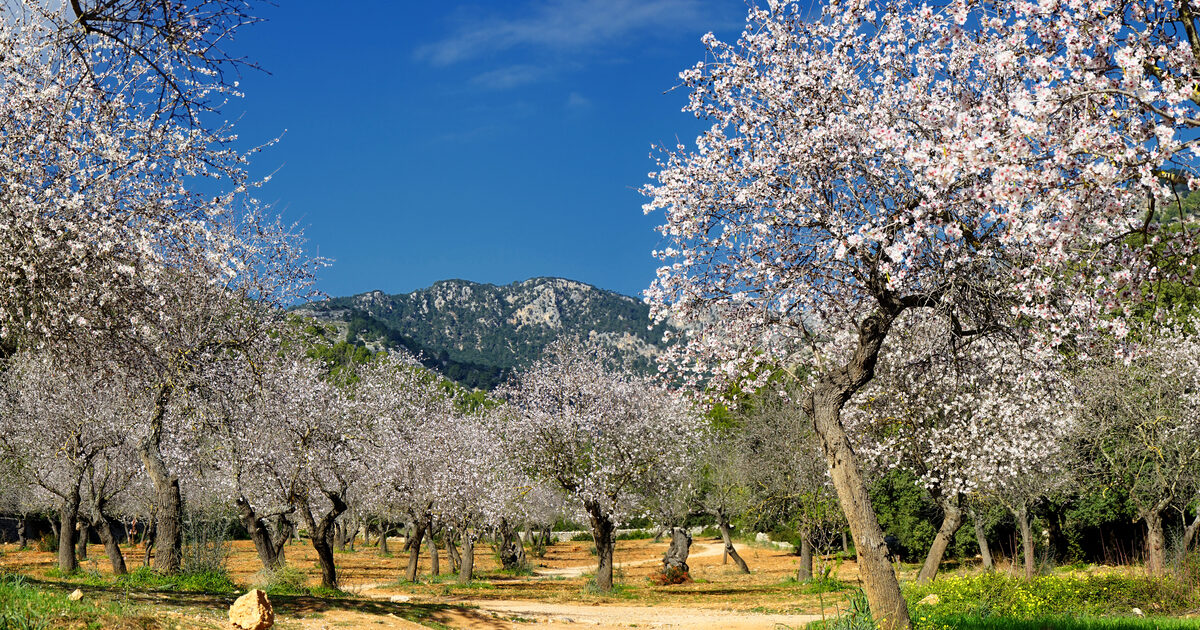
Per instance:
x=322, y=535
x=435, y=568
x=952, y=518
x=466, y=571
x=106, y=527
x=168, y=501
x=259, y=533
x=1156, y=541
x=81, y=541
x=727, y=538
x=68, y=512
x=603, y=530
x=414, y=548
x=677, y=554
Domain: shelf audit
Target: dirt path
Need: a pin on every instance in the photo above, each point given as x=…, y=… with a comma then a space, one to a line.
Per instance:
x=703, y=550
x=519, y=614
x=612, y=617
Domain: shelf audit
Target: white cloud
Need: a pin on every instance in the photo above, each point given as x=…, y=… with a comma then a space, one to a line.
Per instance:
x=563, y=25
x=577, y=101
x=507, y=77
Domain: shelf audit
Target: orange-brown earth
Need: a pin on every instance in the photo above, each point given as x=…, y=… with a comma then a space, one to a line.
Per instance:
x=556, y=596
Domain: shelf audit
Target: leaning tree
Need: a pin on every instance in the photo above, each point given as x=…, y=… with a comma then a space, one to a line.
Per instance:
x=985, y=162
x=606, y=436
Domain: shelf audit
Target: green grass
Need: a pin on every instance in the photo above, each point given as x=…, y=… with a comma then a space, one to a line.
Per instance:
x=23, y=606
x=1052, y=623
x=146, y=579
x=999, y=595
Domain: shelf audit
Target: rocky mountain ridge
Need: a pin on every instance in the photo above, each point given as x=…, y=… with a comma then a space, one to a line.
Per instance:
x=493, y=328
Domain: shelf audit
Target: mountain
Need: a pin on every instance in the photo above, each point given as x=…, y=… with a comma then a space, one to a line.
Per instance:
x=478, y=333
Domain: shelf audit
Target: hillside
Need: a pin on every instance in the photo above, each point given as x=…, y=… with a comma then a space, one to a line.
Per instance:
x=477, y=333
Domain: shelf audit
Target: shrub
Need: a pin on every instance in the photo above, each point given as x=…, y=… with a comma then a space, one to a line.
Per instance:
x=855, y=616
x=208, y=581
x=48, y=542
x=673, y=575
x=582, y=537
x=637, y=534
x=284, y=580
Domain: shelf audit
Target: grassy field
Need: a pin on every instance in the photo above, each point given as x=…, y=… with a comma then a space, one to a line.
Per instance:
x=33, y=594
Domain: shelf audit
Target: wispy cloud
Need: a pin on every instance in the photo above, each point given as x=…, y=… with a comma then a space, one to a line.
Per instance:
x=560, y=25
x=577, y=101
x=507, y=77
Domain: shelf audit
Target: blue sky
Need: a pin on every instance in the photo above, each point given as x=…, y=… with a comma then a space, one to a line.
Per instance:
x=494, y=141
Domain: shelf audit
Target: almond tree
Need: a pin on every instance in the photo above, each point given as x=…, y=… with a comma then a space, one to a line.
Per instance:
x=604, y=435
x=964, y=416
x=58, y=424
x=980, y=161
x=1140, y=428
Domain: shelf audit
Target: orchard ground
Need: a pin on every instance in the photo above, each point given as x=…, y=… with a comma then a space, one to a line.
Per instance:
x=556, y=595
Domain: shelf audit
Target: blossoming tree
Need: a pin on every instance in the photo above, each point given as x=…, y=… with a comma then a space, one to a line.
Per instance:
x=981, y=161
x=604, y=435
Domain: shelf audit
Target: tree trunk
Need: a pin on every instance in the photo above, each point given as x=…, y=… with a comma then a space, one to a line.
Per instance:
x=339, y=536
x=1156, y=545
x=985, y=552
x=805, y=572
x=723, y=524
x=952, y=518
x=148, y=539
x=888, y=607
x=81, y=541
x=23, y=532
x=1022, y=514
x=107, y=528
x=258, y=533
x=512, y=552
x=677, y=554
x=322, y=536
x=414, y=549
x=435, y=569
x=452, y=551
x=845, y=543
x=67, y=516
x=603, y=531
x=466, y=571
x=283, y=533
x=409, y=536
x=168, y=501
x=383, y=536
x=1189, y=533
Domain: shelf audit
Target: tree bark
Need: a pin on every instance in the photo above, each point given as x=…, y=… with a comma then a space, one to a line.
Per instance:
x=168, y=501
x=723, y=524
x=888, y=607
x=67, y=516
x=284, y=528
x=985, y=552
x=435, y=568
x=107, y=528
x=322, y=536
x=466, y=571
x=952, y=519
x=1022, y=514
x=81, y=541
x=1189, y=533
x=259, y=533
x=148, y=539
x=603, y=530
x=383, y=539
x=452, y=551
x=1156, y=543
x=414, y=549
x=677, y=554
x=805, y=572
x=23, y=532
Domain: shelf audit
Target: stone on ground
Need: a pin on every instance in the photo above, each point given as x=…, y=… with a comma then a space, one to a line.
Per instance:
x=252, y=611
x=75, y=595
